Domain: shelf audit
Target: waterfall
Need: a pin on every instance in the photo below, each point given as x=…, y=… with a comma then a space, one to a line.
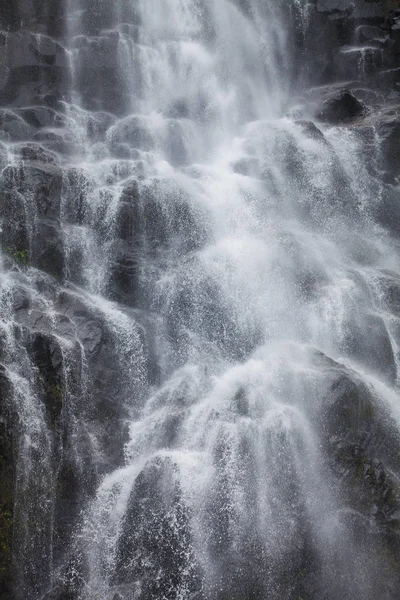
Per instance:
x=203, y=364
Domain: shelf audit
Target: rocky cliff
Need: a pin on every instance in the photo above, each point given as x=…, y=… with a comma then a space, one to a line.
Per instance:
x=68, y=355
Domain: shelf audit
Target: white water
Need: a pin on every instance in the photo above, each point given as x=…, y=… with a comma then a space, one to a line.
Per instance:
x=259, y=256
x=262, y=252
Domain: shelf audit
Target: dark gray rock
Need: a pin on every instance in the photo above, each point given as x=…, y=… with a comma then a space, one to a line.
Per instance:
x=42, y=116
x=156, y=521
x=40, y=183
x=124, y=273
x=13, y=127
x=14, y=233
x=8, y=464
x=36, y=66
x=132, y=131
x=48, y=248
x=35, y=152
x=388, y=128
x=128, y=217
x=387, y=210
x=47, y=356
x=40, y=17
x=100, y=78
x=341, y=108
x=3, y=156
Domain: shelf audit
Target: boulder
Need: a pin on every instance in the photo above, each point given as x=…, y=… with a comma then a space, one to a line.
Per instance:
x=156, y=521
x=343, y=107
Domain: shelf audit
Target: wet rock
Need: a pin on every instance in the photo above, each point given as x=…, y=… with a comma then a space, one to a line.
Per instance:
x=10, y=17
x=387, y=210
x=124, y=273
x=48, y=249
x=3, y=156
x=32, y=151
x=156, y=521
x=21, y=299
x=13, y=127
x=8, y=446
x=133, y=131
x=100, y=76
x=47, y=356
x=62, y=142
x=341, y=108
x=76, y=187
x=87, y=322
x=41, y=116
x=40, y=183
x=367, y=341
x=361, y=440
x=388, y=128
x=36, y=66
x=14, y=231
x=333, y=6
x=42, y=17
x=97, y=125
x=128, y=217
x=311, y=130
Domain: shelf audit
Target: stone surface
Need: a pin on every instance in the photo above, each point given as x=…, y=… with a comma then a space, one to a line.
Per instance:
x=341, y=108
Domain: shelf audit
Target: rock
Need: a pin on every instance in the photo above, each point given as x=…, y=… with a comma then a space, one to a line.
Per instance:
x=133, y=131
x=311, y=130
x=124, y=273
x=333, y=6
x=36, y=65
x=10, y=17
x=13, y=127
x=8, y=452
x=156, y=521
x=128, y=217
x=33, y=151
x=14, y=232
x=48, y=248
x=60, y=141
x=367, y=341
x=100, y=74
x=3, y=157
x=76, y=187
x=387, y=210
x=43, y=17
x=47, y=356
x=90, y=329
x=40, y=184
x=342, y=108
x=388, y=128
x=42, y=116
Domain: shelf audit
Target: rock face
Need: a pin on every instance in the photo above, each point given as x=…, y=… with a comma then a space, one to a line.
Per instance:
x=77, y=315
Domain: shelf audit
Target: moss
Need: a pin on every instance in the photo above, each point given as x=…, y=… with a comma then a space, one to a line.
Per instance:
x=20, y=256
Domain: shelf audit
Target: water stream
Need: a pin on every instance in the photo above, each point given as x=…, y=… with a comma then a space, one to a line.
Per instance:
x=246, y=240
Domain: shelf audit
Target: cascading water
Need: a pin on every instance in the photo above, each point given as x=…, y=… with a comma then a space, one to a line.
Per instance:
x=227, y=257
